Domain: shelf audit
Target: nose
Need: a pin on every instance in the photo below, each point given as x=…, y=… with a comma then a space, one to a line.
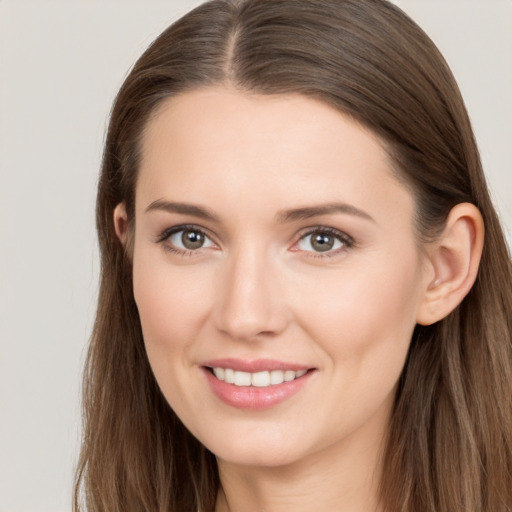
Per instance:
x=250, y=303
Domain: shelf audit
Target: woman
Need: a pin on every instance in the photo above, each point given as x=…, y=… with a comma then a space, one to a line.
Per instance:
x=297, y=306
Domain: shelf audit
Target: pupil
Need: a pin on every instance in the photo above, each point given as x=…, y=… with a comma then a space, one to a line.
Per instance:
x=192, y=239
x=322, y=243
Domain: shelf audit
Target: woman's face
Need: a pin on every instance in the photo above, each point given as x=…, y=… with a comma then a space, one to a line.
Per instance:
x=274, y=247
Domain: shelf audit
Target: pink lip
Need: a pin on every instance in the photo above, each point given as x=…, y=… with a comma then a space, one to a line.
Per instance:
x=257, y=365
x=249, y=397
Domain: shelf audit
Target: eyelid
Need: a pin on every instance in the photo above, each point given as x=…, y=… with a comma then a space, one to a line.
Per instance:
x=347, y=241
x=168, y=232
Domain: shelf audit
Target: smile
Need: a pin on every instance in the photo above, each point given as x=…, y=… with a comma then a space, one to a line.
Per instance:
x=258, y=379
x=256, y=385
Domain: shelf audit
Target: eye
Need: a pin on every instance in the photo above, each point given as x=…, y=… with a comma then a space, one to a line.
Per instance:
x=323, y=241
x=186, y=238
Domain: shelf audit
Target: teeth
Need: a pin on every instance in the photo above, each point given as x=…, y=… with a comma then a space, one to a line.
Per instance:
x=242, y=379
x=258, y=379
x=219, y=373
x=276, y=377
x=289, y=375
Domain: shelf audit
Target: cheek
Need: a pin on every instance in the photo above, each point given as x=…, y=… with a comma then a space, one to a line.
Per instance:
x=365, y=310
x=362, y=322
x=171, y=302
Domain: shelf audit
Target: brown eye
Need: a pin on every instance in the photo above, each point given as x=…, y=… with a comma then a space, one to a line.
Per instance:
x=323, y=241
x=188, y=239
x=192, y=239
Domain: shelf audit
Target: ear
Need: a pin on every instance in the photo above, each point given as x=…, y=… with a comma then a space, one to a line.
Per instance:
x=121, y=223
x=453, y=260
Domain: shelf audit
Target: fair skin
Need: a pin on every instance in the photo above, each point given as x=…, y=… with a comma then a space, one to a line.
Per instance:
x=296, y=245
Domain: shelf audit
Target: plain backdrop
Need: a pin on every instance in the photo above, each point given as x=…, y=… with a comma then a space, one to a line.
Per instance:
x=61, y=63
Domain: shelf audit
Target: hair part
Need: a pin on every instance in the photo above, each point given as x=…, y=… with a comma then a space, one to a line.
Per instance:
x=450, y=444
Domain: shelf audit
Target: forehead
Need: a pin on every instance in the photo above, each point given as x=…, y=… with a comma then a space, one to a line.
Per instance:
x=221, y=144
x=229, y=119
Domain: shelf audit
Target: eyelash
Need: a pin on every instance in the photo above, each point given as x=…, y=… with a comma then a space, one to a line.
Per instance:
x=347, y=241
x=166, y=234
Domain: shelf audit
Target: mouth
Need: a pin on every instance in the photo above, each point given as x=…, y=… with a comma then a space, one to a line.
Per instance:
x=261, y=379
x=256, y=385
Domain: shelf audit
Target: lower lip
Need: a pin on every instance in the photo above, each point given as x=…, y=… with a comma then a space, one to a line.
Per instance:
x=255, y=398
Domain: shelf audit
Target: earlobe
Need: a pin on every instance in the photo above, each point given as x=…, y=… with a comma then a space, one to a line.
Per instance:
x=121, y=223
x=454, y=259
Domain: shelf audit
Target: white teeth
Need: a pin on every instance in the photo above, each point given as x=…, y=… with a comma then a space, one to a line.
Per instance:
x=242, y=379
x=257, y=379
x=219, y=373
x=260, y=379
x=229, y=376
x=289, y=375
x=276, y=377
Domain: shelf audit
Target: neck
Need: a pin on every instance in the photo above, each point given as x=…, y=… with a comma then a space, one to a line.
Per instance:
x=344, y=478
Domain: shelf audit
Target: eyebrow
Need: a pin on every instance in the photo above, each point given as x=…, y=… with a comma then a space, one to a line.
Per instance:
x=308, y=212
x=183, y=208
x=284, y=216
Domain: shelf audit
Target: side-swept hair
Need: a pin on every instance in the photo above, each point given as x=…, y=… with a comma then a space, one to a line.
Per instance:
x=450, y=441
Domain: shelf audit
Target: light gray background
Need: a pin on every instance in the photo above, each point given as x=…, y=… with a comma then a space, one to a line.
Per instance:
x=61, y=63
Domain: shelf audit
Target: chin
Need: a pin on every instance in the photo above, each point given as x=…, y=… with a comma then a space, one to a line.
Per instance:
x=257, y=458
x=261, y=452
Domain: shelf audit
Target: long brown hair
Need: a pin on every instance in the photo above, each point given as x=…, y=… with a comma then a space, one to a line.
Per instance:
x=450, y=442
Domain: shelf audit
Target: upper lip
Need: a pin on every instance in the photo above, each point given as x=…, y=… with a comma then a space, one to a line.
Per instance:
x=256, y=365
